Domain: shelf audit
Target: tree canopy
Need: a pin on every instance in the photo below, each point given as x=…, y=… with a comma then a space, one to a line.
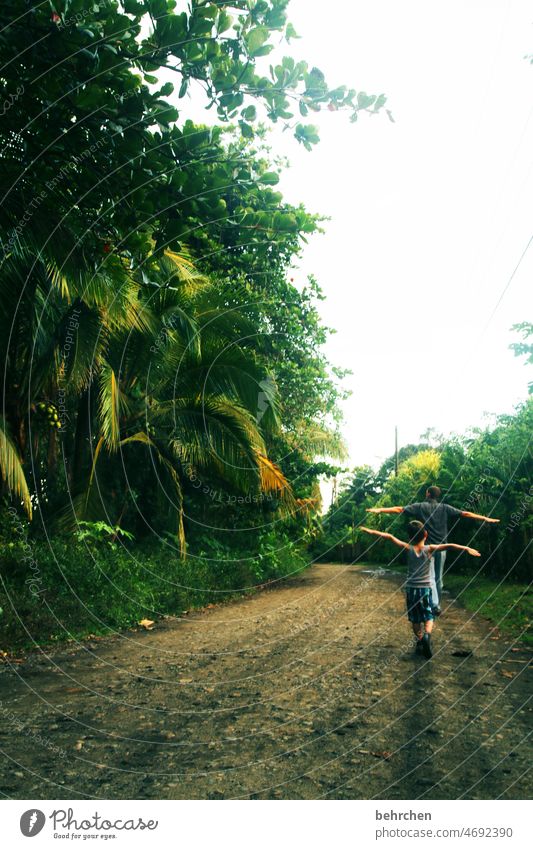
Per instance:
x=152, y=335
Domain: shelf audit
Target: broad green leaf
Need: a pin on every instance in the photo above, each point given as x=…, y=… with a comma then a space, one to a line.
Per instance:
x=133, y=7
x=270, y=178
x=364, y=100
x=225, y=21
x=264, y=50
x=246, y=129
x=290, y=32
x=250, y=113
x=209, y=11
x=256, y=38
x=166, y=90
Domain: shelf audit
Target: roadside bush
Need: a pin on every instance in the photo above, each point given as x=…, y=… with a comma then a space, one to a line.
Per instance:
x=61, y=589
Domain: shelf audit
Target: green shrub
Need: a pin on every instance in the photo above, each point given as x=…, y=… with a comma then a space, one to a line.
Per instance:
x=96, y=584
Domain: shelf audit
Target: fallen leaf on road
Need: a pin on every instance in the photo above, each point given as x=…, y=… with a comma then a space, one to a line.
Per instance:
x=385, y=755
x=79, y=746
x=74, y=690
x=507, y=674
x=147, y=623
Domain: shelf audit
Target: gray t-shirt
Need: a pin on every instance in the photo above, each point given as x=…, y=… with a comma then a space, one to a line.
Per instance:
x=419, y=567
x=434, y=515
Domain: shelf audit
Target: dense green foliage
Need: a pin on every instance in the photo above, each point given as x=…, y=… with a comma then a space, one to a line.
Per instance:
x=164, y=385
x=488, y=472
x=91, y=149
x=165, y=389
x=95, y=584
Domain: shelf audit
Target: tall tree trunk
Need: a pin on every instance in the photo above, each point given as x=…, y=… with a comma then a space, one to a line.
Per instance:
x=52, y=451
x=81, y=436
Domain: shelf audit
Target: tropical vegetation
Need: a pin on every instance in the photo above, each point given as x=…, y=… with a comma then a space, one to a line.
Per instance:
x=164, y=385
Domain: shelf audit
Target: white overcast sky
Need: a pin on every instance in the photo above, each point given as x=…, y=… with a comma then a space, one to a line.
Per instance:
x=429, y=215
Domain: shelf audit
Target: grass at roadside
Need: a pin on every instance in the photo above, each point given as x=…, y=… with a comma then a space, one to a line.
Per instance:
x=505, y=604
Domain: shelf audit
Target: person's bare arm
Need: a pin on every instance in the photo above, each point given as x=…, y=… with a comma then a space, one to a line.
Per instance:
x=447, y=546
x=385, y=535
x=468, y=515
x=384, y=509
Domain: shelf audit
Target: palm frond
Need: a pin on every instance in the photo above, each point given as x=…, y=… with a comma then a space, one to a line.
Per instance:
x=99, y=446
x=314, y=440
x=173, y=272
x=273, y=480
x=88, y=506
x=308, y=507
x=144, y=439
x=59, y=280
x=109, y=407
x=217, y=436
x=182, y=267
x=81, y=361
x=112, y=404
x=235, y=375
x=12, y=470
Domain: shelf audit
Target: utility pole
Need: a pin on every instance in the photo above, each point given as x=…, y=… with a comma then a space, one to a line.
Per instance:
x=333, y=499
x=396, y=451
x=353, y=533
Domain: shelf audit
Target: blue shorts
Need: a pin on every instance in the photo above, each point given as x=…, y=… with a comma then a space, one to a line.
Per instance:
x=419, y=604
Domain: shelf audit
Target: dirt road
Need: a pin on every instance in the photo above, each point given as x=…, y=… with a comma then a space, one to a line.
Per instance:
x=307, y=691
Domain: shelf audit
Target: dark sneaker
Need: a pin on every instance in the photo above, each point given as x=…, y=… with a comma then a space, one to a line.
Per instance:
x=426, y=645
x=418, y=647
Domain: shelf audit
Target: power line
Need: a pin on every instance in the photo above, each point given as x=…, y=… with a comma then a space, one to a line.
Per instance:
x=511, y=278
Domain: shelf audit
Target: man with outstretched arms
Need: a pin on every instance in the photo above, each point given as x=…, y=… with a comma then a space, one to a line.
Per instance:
x=434, y=515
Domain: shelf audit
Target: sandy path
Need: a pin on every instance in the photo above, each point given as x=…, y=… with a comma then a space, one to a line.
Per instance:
x=306, y=691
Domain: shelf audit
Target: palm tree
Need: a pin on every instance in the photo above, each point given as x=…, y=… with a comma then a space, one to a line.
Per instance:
x=12, y=470
x=187, y=390
x=156, y=358
x=57, y=317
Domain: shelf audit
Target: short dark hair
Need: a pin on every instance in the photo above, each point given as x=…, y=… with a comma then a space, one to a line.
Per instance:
x=417, y=531
x=434, y=492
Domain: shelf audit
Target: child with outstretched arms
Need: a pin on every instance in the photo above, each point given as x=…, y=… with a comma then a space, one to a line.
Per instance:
x=419, y=579
x=435, y=514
